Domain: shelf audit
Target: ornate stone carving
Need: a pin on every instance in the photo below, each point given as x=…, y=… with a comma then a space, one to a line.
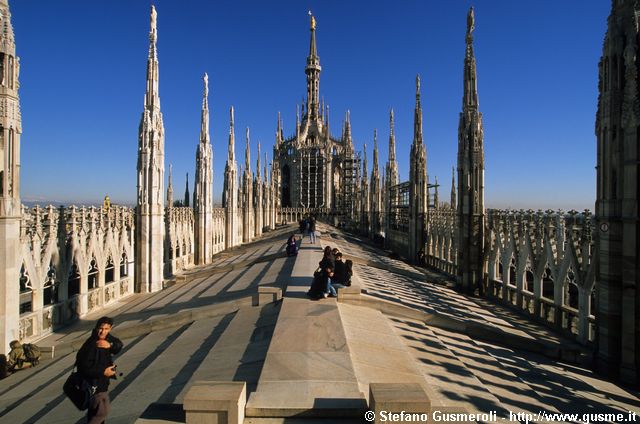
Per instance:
x=108, y=294
x=93, y=300
x=72, y=307
x=47, y=319
x=124, y=287
x=26, y=328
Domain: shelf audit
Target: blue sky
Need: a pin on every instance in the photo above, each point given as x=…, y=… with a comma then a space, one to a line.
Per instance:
x=83, y=66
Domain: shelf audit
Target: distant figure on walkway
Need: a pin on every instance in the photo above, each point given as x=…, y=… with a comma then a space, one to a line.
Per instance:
x=292, y=245
x=95, y=364
x=312, y=229
x=303, y=226
x=421, y=258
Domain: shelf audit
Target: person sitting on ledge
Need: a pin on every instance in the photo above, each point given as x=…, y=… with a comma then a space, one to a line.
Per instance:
x=342, y=272
x=328, y=266
x=321, y=286
x=292, y=245
x=17, y=360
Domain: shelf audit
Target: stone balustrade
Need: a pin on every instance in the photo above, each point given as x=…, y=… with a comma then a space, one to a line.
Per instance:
x=216, y=402
x=538, y=262
x=73, y=261
x=541, y=263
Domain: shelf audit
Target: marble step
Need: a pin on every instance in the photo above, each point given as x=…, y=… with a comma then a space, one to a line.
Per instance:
x=174, y=414
x=323, y=398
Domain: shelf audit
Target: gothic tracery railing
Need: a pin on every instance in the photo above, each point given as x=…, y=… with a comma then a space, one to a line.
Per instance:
x=538, y=262
x=541, y=263
x=441, y=247
x=73, y=261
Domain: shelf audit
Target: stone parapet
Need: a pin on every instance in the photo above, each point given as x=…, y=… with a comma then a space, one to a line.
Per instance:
x=396, y=398
x=216, y=402
x=349, y=293
x=267, y=294
x=72, y=261
x=541, y=263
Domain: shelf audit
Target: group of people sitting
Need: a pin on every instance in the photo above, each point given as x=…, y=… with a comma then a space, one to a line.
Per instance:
x=332, y=273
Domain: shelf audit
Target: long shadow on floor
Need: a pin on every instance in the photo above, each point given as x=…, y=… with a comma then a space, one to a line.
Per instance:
x=183, y=376
x=252, y=359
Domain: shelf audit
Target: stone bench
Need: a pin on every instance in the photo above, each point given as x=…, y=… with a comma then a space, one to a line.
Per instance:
x=351, y=292
x=266, y=294
x=410, y=402
x=396, y=398
x=47, y=352
x=215, y=402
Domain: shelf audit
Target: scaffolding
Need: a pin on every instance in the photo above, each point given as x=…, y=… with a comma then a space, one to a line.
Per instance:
x=311, y=178
x=347, y=206
x=398, y=213
x=431, y=197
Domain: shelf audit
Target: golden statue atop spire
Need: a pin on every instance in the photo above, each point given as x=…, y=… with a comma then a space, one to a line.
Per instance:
x=313, y=21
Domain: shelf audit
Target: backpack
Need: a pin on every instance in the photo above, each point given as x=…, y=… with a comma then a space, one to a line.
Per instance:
x=349, y=272
x=317, y=287
x=79, y=390
x=31, y=353
x=349, y=264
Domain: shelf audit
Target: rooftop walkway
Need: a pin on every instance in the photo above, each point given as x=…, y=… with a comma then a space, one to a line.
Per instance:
x=311, y=361
x=428, y=291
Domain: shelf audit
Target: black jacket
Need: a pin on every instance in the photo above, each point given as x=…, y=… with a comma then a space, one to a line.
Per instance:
x=92, y=361
x=340, y=273
x=327, y=263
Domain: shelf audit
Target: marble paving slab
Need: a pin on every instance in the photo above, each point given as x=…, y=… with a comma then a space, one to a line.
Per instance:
x=308, y=367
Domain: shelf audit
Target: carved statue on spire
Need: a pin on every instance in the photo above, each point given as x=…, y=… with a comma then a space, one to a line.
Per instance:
x=206, y=84
x=470, y=23
x=154, y=18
